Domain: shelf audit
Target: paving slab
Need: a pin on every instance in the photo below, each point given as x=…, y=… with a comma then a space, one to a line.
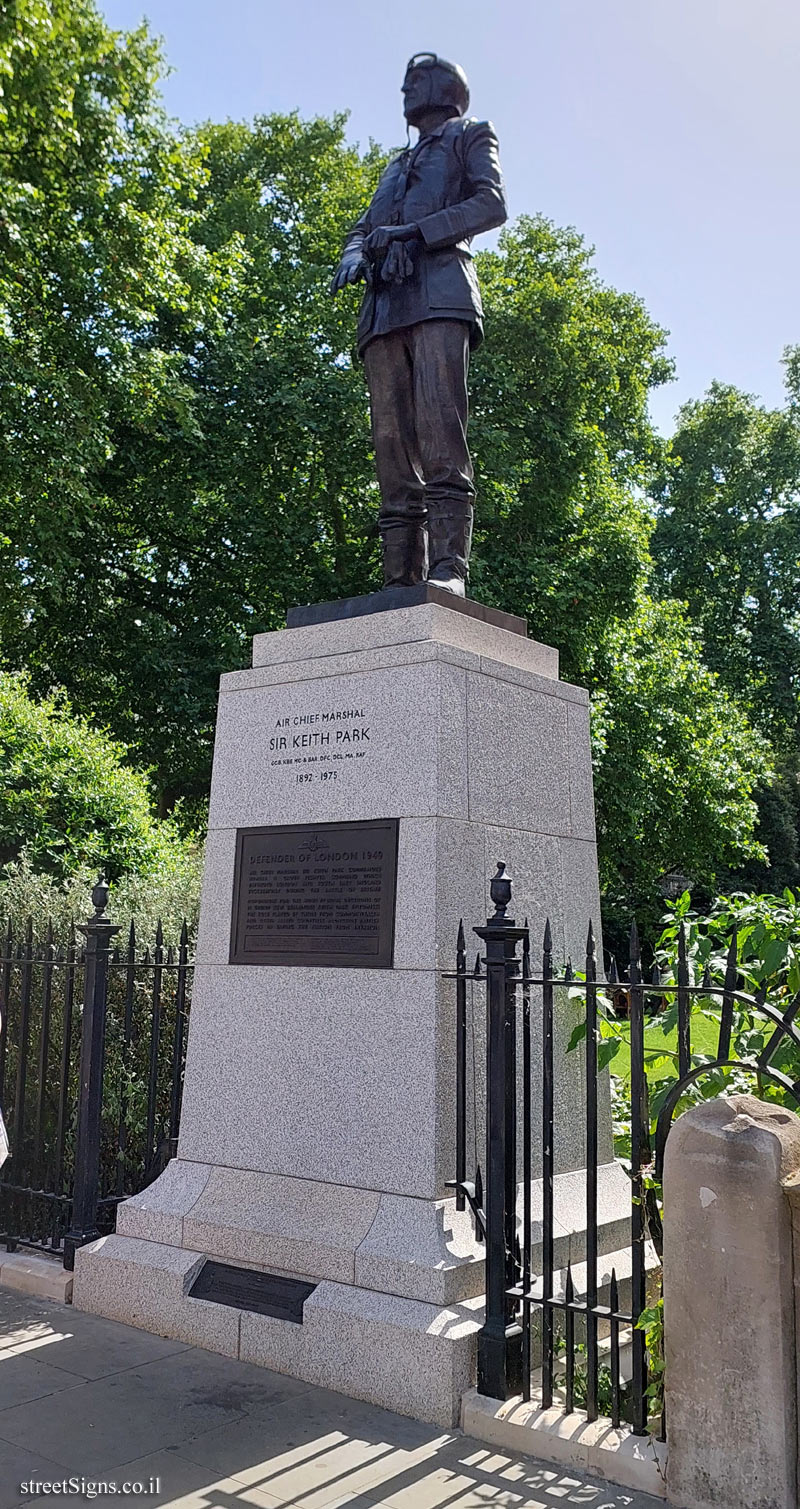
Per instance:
x=87, y=1345
x=200, y=1431
x=30, y=1379
x=113, y=1419
x=237, y=1387
x=19, y=1466
x=310, y=1435
x=179, y=1482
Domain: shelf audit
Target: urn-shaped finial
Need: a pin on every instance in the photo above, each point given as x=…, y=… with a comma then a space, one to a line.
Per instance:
x=100, y=896
x=500, y=891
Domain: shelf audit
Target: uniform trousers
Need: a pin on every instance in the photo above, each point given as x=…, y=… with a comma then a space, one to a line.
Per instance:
x=417, y=379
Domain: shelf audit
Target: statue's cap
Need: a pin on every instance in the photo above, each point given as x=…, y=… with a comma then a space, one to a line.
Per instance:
x=450, y=87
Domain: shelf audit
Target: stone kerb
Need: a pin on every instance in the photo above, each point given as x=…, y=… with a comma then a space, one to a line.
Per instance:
x=730, y=1329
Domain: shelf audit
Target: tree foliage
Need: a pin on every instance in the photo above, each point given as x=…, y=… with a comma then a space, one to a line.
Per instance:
x=676, y=761
x=728, y=542
x=169, y=894
x=87, y=239
x=67, y=797
x=185, y=446
x=563, y=438
x=185, y=442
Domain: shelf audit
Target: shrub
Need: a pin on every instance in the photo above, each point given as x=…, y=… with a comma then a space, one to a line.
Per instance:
x=71, y=807
x=167, y=895
x=67, y=798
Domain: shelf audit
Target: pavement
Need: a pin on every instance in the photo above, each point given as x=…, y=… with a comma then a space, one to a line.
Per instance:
x=89, y=1402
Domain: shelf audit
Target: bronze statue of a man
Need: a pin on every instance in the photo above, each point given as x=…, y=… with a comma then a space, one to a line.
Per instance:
x=420, y=317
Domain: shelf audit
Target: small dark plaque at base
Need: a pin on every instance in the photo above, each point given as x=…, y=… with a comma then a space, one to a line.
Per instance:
x=315, y=894
x=266, y=1293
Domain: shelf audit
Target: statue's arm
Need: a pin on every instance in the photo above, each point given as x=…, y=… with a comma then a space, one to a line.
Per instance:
x=353, y=264
x=485, y=206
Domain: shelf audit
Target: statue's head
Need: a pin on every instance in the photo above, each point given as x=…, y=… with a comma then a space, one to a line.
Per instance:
x=431, y=83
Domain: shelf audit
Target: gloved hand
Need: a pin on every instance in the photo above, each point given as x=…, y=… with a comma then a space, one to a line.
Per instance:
x=351, y=269
x=397, y=265
x=383, y=237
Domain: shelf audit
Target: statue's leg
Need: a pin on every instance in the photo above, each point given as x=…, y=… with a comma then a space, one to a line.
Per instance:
x=388, y=365
x=441, y=365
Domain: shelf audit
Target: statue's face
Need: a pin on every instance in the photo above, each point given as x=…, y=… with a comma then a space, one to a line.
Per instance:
x=415, y=93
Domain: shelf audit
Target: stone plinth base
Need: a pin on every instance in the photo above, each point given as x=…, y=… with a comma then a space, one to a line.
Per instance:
x=399, y=1282
x=408, y=1356
x=412, y=1249
x=318, y=1126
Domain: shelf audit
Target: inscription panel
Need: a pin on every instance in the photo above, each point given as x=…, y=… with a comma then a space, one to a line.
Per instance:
x=321, y=745
x=315, y=893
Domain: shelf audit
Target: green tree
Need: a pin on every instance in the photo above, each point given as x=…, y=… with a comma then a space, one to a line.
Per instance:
x=94, y=212
x=563, y=439
x=676, y=763
x=67, y=797
x=186, y=443
x=174, y=388
x=89, y=227
x=728, y=543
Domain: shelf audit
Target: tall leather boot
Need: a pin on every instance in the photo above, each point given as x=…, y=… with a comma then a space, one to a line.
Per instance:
x=405, y=554
x=449, y=540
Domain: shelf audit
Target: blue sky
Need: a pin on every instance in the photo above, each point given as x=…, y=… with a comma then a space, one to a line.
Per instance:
x=666, y=131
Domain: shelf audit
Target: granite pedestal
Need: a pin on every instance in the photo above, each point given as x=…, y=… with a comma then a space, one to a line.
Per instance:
x=317, y=1131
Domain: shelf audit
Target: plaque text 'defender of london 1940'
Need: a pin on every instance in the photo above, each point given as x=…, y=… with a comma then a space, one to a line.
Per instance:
x=315, y=893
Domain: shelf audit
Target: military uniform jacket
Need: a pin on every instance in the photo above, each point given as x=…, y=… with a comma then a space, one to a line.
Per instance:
x=451, y=186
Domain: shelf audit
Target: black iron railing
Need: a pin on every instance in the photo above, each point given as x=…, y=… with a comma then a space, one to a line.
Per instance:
x=92, y=1045
x=560, y=1355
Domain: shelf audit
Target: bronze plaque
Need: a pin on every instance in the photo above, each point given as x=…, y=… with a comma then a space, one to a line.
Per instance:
x=315, y=893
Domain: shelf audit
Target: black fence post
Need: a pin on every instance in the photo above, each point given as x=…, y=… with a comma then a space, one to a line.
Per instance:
x=500, y=1339
x=99, y=933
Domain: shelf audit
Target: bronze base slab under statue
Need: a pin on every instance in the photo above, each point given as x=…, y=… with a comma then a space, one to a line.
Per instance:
x=391, y=598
